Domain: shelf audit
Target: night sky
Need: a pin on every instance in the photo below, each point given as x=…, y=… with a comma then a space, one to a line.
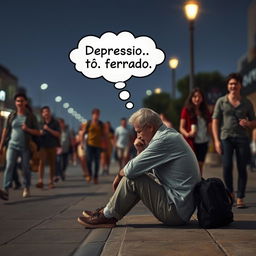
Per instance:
x=37, y=37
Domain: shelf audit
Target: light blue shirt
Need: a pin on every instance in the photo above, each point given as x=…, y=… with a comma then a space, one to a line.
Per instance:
x=123, y=135
x=17, y=139
x=175, y=165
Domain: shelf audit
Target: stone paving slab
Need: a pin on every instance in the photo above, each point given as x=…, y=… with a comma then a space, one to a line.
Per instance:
x=38, y=250
x=144, y=235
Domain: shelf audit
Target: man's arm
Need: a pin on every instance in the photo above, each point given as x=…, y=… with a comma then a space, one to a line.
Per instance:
x=30, y=130
x=2, y=139
x=139, y=144
x=215, y=133
x=53, y=132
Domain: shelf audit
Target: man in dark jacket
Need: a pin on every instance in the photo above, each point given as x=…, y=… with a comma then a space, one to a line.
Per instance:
x=49, y=141
x=17, y=133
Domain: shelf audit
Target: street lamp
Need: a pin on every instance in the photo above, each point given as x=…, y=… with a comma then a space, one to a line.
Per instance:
x=191, y=9
x=173, y=63
x=158, y=90
x=58, y=99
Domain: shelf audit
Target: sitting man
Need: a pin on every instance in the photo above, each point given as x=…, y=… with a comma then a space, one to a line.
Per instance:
x=162, y=175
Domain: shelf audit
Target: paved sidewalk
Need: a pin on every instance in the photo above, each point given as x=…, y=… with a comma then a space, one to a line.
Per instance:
x=45, y=224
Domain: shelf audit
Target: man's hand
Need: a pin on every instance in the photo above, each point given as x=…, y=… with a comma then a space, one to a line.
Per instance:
x=46, y=127
x=24, y=127
x=139, y=144
x=116, y=182
x=117, y=179
x=218, y=147
x=244, y=123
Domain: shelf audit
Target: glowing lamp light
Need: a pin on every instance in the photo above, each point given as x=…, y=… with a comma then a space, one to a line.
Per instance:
x=44, y=86
x=173, y=63
x=191, y=9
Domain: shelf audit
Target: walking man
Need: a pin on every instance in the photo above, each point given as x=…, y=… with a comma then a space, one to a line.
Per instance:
x=94, y=131
x=49, y=141
x=18, y=130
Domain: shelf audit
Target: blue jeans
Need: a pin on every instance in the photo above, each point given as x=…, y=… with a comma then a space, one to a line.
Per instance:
x=93, y=155
x=241, y=148
x=11, y=159
x=61, y=165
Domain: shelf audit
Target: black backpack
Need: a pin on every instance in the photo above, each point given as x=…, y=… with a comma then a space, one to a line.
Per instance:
x=214, y=203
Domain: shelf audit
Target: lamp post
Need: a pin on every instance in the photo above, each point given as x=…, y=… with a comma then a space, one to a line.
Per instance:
x=191, y=9
x=173, y=63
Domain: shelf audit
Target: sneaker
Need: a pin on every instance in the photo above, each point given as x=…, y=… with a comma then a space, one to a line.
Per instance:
x=240, y=203
x=26, y=193
x=40, y=185
x=97, y=221
x=4, y=195
x=87, y=213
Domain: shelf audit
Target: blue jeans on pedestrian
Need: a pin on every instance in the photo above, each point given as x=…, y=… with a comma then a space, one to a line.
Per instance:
x=12, y=155
x=241, y=148
x=93, y=156
x=61, y=165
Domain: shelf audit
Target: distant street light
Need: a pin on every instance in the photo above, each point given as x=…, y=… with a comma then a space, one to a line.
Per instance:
x=191, y=9
x=66, y=105
x=58, y=99
x=44, y=86
x=148, y=92
x=173, y=63
x=158, y=90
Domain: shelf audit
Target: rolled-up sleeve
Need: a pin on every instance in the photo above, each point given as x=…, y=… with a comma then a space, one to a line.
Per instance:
x=217, y=110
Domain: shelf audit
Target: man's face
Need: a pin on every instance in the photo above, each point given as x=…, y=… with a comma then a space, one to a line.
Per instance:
x=123, y=123
x=46, y=113
x=20, y=102
x=145, y=133
x=234, y=86
x=96, y=115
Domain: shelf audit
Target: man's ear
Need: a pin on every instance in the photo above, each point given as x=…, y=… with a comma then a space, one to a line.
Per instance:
x=151, y=128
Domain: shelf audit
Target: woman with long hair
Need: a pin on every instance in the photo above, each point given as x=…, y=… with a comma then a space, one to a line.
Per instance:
x=195, y=124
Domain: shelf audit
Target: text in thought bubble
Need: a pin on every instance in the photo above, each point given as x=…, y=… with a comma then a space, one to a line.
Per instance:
x=117, y=58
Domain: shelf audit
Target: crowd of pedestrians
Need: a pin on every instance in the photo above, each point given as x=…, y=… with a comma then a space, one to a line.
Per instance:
x=30, y=145
x=229, y=127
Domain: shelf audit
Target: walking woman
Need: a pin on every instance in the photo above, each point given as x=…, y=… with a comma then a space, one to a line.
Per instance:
x=195, y=124
x=233, y=118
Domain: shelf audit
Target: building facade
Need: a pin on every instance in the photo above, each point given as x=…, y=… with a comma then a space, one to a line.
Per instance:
x=247, y=65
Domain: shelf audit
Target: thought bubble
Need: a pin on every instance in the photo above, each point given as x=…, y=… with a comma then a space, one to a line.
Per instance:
x=117, y=58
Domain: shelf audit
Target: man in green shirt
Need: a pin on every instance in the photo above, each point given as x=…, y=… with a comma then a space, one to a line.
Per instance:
x=233, y=118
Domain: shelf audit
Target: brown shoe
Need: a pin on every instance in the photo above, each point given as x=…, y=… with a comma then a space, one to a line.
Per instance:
x=40, y=185
x=87, y=213
x=95, y=180
x=97, y=221
x=240, y=203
